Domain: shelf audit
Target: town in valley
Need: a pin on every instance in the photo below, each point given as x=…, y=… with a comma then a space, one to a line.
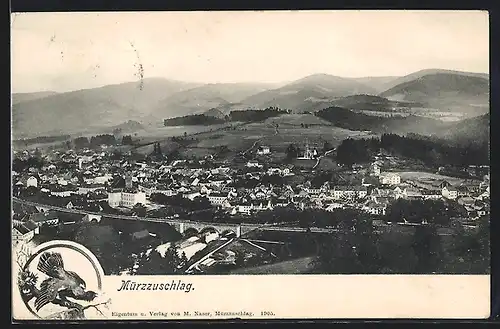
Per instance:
x=259, y=209
x=353, y=150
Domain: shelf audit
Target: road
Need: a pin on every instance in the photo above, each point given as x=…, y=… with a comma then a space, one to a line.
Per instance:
x=322, y=156
x=266, y=241
x=251, y=147
x=195, y=264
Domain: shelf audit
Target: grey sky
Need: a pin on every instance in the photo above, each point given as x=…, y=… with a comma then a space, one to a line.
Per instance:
x=68, y=51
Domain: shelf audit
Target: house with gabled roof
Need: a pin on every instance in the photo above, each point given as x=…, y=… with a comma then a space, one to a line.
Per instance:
x=45, y=218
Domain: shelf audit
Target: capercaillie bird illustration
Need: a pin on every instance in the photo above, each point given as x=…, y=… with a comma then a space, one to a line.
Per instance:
x=61, y=283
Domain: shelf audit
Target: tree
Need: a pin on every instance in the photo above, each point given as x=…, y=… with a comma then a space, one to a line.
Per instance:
x=152, y=264
x=366, y=242
x=338, y=255
x=352, y=151
x=127, y=140
x=327, y=146
x=139, y=210
x=427, y=247
x=116, y=155
x=483, y=236
x=183, y=260
x=416, y=211
x=240, y=259
x=172, y=262
x=156, y=264
x=105, y=243
x=292, y=151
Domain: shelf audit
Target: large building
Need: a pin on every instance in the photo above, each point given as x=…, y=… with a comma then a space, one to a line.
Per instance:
x=263, y=150
x=126, y=198
x=217, y=199
x=390, y=179
x=349, y=192
x=449, y=192
x=309, y=153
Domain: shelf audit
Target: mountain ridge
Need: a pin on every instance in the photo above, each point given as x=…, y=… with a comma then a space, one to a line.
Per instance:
x=154, y=99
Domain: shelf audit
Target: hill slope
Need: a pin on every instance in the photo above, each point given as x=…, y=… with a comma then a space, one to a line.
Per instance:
x=416, y=75
x=380, y=84
x=77, y=111
x=347, y=119
x=445, y=91
x=474, y=130
x=205, y=97
x=369, y=102
x=23, y=97
x=308, y=93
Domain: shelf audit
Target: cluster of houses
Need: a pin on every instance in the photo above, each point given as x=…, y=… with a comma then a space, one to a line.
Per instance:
x=124, y=183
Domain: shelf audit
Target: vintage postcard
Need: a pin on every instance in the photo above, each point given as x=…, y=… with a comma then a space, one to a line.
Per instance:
x=252, y=165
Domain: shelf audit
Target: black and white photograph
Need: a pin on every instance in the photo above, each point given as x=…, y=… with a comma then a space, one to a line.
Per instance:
x=252, y=143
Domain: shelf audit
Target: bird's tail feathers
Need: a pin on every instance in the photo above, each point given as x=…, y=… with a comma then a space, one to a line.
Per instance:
x=50, y=263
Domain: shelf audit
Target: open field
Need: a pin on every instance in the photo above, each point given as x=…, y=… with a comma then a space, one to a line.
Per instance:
x=297, y=120
x=383, y=113
x=244, y=136
x=157, y=132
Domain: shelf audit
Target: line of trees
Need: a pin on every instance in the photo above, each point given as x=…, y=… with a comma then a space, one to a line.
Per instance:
x=193, y=120
x=127, y=140
x=179, y=202
x=40, y=140
x=94, y=141
x=415, y=211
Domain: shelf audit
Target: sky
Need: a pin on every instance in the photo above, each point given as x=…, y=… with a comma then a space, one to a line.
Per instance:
x=71, y=51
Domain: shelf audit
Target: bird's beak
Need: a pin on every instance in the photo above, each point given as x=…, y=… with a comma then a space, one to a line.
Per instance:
x=91, y=295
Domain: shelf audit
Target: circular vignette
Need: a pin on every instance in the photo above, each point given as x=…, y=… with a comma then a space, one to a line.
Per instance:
x=69, y=245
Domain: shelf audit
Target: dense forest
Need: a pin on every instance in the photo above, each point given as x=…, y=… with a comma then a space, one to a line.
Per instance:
x=180, y=203
x=256, y=115
x=236, y=115
x=193, y=120
x=421, y=251
x=434, y=151
x=347, y=119
x=428, y=150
